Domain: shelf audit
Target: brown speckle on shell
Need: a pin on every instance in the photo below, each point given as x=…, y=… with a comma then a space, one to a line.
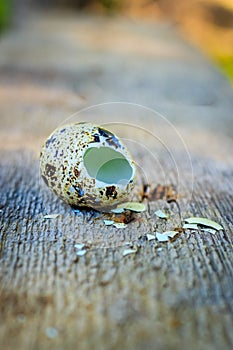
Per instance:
x=76, y=171
x=96, y=138
x=111, y=192
x=50, y=170
x=49, y=141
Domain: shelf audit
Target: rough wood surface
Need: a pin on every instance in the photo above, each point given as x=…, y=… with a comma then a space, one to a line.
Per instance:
x=166, y=296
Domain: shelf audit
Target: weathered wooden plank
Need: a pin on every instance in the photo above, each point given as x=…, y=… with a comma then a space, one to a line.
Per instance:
x=137, y=298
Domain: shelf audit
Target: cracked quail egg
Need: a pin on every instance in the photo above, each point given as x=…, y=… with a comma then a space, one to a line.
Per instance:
x=87, y=165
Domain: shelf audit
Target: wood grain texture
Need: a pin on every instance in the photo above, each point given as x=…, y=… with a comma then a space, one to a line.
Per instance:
x=175, y=295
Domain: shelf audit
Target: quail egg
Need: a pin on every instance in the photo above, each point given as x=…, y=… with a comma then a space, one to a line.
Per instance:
x=88, y=166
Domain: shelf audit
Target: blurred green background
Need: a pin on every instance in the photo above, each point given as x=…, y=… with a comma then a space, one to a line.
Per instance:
x=207, y=23
x=6, y=9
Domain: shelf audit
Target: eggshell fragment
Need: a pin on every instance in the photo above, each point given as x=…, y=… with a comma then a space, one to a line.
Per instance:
x=87, y=165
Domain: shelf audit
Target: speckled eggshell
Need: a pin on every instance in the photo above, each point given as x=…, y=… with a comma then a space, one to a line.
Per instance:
x=63, y=171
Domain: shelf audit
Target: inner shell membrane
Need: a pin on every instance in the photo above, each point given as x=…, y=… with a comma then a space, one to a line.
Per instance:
x=107, y=165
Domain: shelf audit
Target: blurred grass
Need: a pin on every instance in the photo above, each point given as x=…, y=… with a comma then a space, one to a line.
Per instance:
x=212, y=34
x=5, y=13
x=110, y=5
x=226, y=65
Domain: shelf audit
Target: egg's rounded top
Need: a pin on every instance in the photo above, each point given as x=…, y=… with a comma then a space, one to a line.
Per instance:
x=87, y=165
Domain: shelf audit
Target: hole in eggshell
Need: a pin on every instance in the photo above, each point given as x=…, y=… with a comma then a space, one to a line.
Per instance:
x=107, y=165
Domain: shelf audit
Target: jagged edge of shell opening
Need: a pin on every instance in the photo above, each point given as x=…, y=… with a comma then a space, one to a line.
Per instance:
x=108, y=166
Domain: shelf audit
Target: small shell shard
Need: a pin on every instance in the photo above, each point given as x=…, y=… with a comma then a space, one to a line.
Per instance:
x=119, y=225
x=129, y=251
x=204, y=222
x=161, y=214
x=161, y=237
x=79, y=246
x=133, y=206
x=165, y=236
x=51, y=216
x=150, y=237
x=81, y=252
x=108, y=222
x=190, y=226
